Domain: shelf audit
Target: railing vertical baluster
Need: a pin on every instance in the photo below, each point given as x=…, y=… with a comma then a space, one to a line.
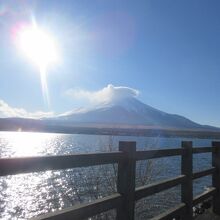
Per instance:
x=126, y=181
x=187, y=186
x=216, y=176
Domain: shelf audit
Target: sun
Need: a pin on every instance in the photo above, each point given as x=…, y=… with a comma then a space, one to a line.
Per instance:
x=38, y=46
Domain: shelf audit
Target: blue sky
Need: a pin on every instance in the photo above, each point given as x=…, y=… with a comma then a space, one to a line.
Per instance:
x=168, y=50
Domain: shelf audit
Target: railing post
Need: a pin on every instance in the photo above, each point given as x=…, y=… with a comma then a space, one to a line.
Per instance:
x=187, y=186
x=126, y=181
x=216, y=176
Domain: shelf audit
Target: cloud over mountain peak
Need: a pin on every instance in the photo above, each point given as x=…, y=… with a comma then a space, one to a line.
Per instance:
x=110, y=93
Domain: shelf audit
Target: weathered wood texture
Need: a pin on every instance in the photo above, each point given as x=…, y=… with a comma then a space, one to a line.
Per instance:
x=216, y=176
x=9, y=166
x=203, y=196
x=187, y=185
x=172, y=213
x=144, y=155
x=151, y=189
x=126, y=181
x=85, y=210
x=199, y=150
x=203, y=173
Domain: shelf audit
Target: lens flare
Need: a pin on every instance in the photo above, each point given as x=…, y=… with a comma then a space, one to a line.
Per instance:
x=44, y=86
x=40, y=48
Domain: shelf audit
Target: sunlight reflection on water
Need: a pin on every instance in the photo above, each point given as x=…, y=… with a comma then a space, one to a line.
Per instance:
x=17, y=197
x=25, y=195
x=26, y=144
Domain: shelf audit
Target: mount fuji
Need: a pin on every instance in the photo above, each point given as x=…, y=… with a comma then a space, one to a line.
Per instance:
x=123, y=115
x=127, y=112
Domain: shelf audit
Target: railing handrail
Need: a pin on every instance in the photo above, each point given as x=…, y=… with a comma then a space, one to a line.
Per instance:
x=11, y=166
x=127, y=194
x=16, y=165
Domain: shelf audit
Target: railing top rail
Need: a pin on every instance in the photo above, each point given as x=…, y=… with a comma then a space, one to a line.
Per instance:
x=198, y=150
x=150, y=154
x=10, y=166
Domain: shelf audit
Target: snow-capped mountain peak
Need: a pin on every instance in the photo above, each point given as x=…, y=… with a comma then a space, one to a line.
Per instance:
x=129, y=104
x=127, y=111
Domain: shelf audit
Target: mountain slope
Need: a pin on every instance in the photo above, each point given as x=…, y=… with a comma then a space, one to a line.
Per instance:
x=128, y=111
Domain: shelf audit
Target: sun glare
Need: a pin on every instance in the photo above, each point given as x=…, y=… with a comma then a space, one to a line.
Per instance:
x=39, y=47
x=27, y=144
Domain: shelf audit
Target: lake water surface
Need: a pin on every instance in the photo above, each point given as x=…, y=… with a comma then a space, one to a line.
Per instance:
x=26, y=195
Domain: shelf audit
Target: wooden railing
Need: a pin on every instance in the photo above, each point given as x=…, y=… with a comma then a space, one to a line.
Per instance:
x=124, y=200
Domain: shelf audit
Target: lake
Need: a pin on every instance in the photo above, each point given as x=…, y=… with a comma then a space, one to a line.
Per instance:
x=26, y=195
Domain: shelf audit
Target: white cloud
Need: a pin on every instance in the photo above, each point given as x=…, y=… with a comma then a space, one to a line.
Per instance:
x=8, y=111
x=108, y=93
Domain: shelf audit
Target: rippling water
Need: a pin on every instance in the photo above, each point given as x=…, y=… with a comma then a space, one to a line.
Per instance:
x=26, y=195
